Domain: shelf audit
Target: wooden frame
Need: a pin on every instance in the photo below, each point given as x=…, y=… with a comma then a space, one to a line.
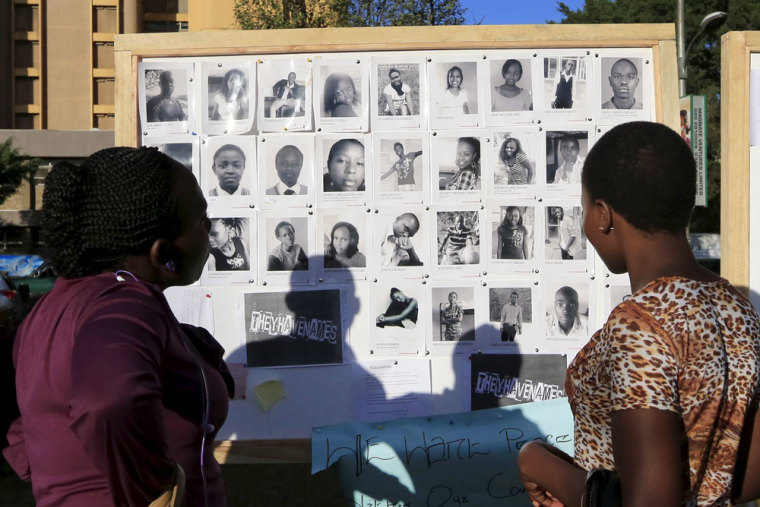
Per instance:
x=736, y=48
x=130, y=49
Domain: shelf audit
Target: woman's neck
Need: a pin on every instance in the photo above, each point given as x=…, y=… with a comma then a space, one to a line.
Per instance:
x=663, y=254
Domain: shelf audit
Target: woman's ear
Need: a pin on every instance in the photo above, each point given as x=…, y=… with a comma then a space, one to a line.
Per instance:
x=605, y=216
x=164, y=256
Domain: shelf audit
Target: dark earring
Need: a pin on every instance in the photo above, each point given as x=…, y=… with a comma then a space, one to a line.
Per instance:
x=171, y=266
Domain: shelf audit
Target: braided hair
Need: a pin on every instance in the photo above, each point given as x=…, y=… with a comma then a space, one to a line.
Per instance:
x=116, y=204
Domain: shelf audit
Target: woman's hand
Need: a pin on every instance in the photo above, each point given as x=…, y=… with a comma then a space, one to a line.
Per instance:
x=549, y=475
x=528, y=462
x=540, y=497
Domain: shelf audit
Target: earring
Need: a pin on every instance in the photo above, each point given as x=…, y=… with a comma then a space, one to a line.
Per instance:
x=171, y=266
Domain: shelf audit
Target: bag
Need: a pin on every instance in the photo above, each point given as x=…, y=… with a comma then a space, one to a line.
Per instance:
x=602, y=489
x=174, y=495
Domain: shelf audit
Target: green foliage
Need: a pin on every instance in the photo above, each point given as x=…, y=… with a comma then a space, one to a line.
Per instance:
x=405, y=12
x=14, y=169
x=264, y=14
x=703, y=64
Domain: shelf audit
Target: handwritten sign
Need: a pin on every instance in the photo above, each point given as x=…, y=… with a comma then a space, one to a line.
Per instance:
x=438, y=461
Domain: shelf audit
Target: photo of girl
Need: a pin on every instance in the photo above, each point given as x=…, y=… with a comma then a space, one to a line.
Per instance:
x=342, y=251
x=514, y=167
x=514, y=240
x=341, y=98
x=401, y=312
x=230, y=102
x=345, y=167
x=467, y=162
x=508, y=96
x=454, y=100
x=227, y=249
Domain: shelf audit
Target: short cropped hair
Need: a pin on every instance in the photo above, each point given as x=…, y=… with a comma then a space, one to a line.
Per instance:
x=509, y=63
x=230, y=147
x=284, y=150
x=646, y=173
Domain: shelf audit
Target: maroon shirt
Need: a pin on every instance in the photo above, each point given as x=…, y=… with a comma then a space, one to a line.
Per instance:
x=111, y=396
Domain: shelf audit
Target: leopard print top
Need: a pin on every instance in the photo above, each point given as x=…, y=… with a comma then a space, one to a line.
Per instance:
x=678, y=345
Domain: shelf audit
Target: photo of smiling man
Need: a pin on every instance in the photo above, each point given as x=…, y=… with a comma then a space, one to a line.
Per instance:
x=228, y=167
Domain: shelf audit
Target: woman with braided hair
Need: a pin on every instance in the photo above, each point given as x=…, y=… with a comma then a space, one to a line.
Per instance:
x=119, y=402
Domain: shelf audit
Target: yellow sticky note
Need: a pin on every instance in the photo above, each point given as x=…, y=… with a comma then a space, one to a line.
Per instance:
x=269, y=393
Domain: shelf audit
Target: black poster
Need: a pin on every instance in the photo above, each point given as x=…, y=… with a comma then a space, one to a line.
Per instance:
x=293, y=328
x=500, y=380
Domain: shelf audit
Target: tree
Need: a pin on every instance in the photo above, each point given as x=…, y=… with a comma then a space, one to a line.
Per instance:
x=14, y=169
x=262, y=14
x=703, y=64
x=265, y=14
x=406, y=12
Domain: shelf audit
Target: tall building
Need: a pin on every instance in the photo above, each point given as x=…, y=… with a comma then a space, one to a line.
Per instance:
x=57, y=82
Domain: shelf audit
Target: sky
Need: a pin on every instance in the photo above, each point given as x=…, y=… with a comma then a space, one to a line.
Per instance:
x=514, y=12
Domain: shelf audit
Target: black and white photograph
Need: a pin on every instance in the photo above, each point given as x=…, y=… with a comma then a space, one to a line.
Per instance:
x=456, y=160
x=623, y=91
x=345, y=242
x=230, y=259
x=399, y=318
x=342, y=168
x=567, y=84
x=513, y=235
x=182, y=148
x=564, y=237
x=567, y=311
x=228, y=95
x=401, y=240
x=455, y=95
x=453, y=313
x=289, y=248
x=341, y=94
x=458, y=237
x=510, y=316
x=229, y=169
x=398, y=93
x=286, y=247
x=166, y=97
x=293, y=328
x=401, y=159
x=501, y=380
x=566, y=152
x=285, y=89
x=286, y=170
x=511, y=161
x=510, y=91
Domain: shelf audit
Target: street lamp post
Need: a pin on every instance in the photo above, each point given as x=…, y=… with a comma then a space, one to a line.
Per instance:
x=682, y=53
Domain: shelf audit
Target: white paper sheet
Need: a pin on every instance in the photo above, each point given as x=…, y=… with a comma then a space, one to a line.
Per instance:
x=389, y=389
x=192, y=305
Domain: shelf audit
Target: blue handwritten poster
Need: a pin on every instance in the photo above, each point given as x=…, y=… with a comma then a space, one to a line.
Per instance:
x=447, y=460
